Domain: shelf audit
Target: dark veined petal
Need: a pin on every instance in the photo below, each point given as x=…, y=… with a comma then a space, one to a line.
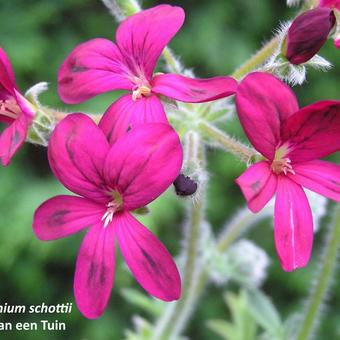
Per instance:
x=148, y=259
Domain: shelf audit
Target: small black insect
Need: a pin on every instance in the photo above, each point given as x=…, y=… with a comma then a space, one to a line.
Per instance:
x=185, y=186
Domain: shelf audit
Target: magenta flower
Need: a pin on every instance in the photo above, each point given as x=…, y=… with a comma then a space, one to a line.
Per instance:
x=291, y=140
x=99, y=66
x=307, y=34
x=15, y=111
x=112, y=182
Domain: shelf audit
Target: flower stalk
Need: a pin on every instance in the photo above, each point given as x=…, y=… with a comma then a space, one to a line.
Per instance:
x=257, y=59
x=172, y=322
x=221, y=139
x=324, y=280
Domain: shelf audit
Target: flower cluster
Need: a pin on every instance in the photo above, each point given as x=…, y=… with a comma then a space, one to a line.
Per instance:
x=133, y=155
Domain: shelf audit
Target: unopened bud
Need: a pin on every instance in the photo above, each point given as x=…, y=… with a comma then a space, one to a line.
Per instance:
x=308, y=32
x=185, y=186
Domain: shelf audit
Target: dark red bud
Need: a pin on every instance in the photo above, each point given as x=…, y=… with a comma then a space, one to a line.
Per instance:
x=306, y=35
x=185, y=186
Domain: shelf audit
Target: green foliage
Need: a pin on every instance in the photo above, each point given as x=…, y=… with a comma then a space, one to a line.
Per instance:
x=242, y=325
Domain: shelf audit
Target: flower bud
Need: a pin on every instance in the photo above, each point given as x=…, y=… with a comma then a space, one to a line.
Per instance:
x=308, y=32
x=185, y=186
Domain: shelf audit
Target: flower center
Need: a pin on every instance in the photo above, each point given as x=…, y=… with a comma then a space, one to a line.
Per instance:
x=112, y=207
x=9, y=108
x=141, y=91
x=282, y=165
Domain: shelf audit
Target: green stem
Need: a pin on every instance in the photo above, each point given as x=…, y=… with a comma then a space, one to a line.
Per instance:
x=257, y=59
x=324, y=279
x=172, y=321
x=174, y=66
x=216, y=136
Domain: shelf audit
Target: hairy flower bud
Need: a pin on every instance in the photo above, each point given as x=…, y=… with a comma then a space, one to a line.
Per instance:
x=308, y=32
x=185, y=186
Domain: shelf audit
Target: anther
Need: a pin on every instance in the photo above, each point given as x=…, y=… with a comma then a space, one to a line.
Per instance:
x=282, y=166
x=140, y=92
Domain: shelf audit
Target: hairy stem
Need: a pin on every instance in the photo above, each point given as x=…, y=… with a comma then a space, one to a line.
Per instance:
x=221, y=139
x=172, y=322
x=324, y=280
x=257, y=59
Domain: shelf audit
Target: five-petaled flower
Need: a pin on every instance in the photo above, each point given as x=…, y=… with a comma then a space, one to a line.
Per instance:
x=15, y=111
x=310, y=30
x=112, y=181
x=292, y=140
x=99, y=66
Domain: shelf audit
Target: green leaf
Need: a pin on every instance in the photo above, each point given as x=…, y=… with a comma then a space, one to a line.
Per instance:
x=146, y=303
x=224, y=329
x=265, y=313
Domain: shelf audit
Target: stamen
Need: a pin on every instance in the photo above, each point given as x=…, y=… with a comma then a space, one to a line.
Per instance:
x=282, y=165
x=140, y=92
x=9, y=108
x=112, y=208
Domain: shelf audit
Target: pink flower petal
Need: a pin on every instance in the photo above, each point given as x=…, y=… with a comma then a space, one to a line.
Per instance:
x=125, y=114
x=330, y=4
x=293, y=225
x=258, y=185
x=313, y=132
x=263, y=103
x=64, y=215
x=77, y=151
x=12, y=138
x=337, y=43
x=148, y=259
x=26, y=107
x=92, y=68
x=93, y=279
x=319, y=176
x=143, y=163
x=143, y=36
x=7, y=78
x=191, y=90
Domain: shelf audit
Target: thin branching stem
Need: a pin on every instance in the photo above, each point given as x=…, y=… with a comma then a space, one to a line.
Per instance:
x=323, y=280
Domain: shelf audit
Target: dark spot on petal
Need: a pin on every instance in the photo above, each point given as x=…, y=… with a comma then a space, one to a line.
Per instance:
x=198, y=91
x=66, y=80
x=78, y=69
x=102, y=275
x=150, y=260
x=57, y=218
x=256, y=186
x=92, y=278
x=92, y=274
x=15, y=140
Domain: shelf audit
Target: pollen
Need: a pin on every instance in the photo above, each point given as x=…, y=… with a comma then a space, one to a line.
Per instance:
x=282, y=165
x=140, y=92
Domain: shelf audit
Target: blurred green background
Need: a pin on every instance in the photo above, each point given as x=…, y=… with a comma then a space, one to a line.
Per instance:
x=215, y=39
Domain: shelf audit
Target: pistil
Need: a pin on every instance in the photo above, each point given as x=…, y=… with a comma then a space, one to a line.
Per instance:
x=140, y=92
